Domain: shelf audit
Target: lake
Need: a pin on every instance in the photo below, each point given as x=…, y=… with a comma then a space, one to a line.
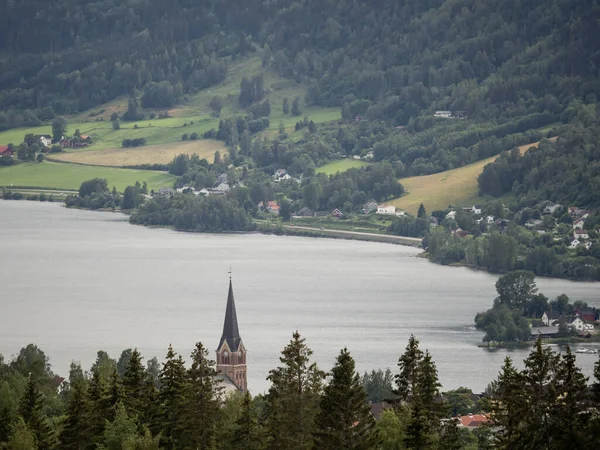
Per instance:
x=74, y=282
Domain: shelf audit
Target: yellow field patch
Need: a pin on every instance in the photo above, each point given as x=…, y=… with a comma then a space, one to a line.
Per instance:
x=149, y=154
x=453, y=187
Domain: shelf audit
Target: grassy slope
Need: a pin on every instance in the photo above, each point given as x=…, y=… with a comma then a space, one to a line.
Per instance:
x=340, y=166
x=437, y=191
x=70, y=176
x=196, y=109
x=150, y=154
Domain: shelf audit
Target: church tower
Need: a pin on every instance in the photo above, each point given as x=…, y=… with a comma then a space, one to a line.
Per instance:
x=231, y=353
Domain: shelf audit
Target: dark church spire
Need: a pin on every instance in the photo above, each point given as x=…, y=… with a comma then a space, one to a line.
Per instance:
x=231, y=333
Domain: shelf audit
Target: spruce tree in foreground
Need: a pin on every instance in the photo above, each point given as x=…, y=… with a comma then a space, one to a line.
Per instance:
x=99, y=407
x=293, y=399
x=202, y=397
x=407, y=378
x=247, y=434
x=77, y=432
x=30, y=410
x=417, y=388
x=133, y=384
x=115, y=394
x=345, y=419
x=571, y=390
x=171, y=398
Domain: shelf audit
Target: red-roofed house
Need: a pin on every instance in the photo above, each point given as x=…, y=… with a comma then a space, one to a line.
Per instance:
x=273, y=207
x=472, y=420
x=5, y=151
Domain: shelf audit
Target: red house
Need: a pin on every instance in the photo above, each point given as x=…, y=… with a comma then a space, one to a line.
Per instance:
x=5, y=151
x=589, y=315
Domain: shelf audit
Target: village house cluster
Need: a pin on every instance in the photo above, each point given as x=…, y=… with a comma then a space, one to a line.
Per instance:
x=583, y=322
x=545, y=222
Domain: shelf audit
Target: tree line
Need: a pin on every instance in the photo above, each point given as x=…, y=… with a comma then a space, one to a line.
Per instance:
x=124, y=405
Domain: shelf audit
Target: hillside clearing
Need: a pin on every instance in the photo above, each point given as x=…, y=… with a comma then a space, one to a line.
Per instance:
x=70, y=176
x=150, y=154
x=341, y=166
x=437, y=191
x=194, y=116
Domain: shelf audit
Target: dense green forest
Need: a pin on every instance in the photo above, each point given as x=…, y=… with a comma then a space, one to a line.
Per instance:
x=385, y=60
x=566, y=171
x=125, y=404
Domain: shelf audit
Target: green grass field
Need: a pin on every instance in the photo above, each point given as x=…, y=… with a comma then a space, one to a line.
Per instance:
x=454, y=187
x=341, y=165
x=70, y=176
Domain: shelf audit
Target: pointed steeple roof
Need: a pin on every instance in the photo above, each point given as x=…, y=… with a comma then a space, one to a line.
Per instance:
x=231, y=333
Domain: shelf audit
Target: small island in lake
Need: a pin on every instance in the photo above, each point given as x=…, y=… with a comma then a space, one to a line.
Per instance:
x=521, y=314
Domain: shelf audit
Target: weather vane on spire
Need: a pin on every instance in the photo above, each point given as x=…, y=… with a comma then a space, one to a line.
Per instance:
x=229, y=273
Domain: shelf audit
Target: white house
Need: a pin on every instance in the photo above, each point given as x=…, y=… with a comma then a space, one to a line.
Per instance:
x=443, y=114
x=451, y=215
x=578, y=224
x=400, y=213
x=281, y=174
x=580, y=234
x=551, y=208
x=369, y=155
x=389, y=210
x=550, y=317
x=490, y=220
x=588, y=245
x=45, y=140
x=575, y=243
x=222, y=187
x=577, y=324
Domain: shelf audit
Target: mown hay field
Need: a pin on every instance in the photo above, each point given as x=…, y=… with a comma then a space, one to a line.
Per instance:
x=150, y=154
x=454, y=187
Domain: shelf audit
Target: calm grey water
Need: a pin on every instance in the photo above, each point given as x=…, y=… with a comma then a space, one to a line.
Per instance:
x=74, y=282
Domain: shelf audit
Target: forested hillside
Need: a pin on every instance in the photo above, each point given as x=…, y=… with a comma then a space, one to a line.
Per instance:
x=566, y=171
x=383, y=59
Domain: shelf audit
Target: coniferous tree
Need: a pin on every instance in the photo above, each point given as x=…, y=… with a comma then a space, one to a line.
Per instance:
x=115, y=393
x=133, y=384
x=286, y=105
x=418, y=433
x=569, y=418
x=99, y=405
x=293, y=399
x=417, y=386
x=9, y=405
x=507, y=405
x=296, y=107
x=171, y=399
x=407, y=378
x=345, y=419
x=30, y=410
x=429, y=390
x=118, y=431
x=202, y=400
x=421, y=213
x=540, y=388
x=76, y=433
x=247, y=434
